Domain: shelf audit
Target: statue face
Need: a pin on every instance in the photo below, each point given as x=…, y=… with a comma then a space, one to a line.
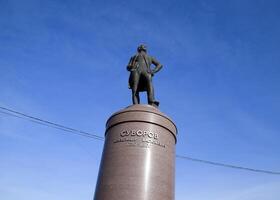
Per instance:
x=142, y=48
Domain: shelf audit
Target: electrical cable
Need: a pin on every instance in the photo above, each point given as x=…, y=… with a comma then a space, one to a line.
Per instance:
x=49, y=124
x=37, y=120
x=227, y=165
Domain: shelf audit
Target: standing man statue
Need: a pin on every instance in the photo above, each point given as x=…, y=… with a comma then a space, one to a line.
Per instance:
x=141, y=74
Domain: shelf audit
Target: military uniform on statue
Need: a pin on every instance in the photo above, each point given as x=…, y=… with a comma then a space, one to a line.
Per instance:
x=141, y=75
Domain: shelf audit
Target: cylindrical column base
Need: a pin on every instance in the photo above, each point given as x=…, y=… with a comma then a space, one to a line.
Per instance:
x=138, y=156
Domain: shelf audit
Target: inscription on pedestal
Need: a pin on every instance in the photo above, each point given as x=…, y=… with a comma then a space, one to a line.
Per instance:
x=139, y=138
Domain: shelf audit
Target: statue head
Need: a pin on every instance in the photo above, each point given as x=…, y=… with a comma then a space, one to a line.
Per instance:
x=141, y=47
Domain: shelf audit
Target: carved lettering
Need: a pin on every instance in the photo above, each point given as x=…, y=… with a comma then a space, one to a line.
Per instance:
x=146, y=138
x=139, y=133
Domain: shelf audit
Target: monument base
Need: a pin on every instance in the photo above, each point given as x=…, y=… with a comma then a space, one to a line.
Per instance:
x=138, y=157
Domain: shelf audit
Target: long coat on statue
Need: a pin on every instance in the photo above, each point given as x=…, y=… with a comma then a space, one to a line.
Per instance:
x=140, y=65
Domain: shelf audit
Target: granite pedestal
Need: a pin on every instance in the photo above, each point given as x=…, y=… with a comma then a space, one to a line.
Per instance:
x=138, y=159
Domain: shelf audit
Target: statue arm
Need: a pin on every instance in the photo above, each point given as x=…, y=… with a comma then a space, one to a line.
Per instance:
x=131, y=64
x=158, y=66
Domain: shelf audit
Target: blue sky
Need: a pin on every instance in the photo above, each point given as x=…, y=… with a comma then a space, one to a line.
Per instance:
x=65, y=61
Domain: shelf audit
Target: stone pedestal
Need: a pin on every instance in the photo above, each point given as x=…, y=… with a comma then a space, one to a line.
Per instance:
x=138, y=156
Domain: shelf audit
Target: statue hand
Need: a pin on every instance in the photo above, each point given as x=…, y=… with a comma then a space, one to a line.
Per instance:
x=129, y=68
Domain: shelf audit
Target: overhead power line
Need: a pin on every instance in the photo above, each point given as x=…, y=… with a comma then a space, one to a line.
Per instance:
x=49, y=124
x=41, y=121
x=227, y=165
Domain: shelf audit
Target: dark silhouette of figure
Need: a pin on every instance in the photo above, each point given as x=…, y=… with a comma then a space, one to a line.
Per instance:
x=141, y=74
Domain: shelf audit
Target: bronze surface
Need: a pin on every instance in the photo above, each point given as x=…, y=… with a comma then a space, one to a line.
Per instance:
x=141, y=75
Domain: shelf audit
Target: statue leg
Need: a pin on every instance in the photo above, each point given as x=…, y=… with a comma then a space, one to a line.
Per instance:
x=137, y=97
x=134, y=89
x=150, y=89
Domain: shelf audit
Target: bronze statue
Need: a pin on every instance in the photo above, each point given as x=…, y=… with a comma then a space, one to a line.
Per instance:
x=141, y=74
